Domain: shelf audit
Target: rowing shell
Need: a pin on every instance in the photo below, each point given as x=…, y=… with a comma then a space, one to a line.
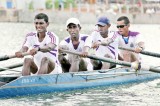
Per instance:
x=38, y=84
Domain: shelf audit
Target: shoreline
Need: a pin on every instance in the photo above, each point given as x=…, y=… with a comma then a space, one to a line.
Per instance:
x=59, y=17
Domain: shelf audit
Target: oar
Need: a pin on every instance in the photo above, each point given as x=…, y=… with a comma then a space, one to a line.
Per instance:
x=134, y=65
x=142, y=52
x=11, y=66
x=6, y=57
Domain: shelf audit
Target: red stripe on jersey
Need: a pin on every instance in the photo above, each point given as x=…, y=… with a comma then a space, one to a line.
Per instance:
x=31, y=34
x=53, y=39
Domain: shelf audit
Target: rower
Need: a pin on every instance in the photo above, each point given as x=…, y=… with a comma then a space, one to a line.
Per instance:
x=42, y=45
x=104, y=42
x=129, y=39
x=74, y=42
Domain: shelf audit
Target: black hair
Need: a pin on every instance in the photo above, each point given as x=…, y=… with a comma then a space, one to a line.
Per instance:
x=126, y=20
x=42, y=16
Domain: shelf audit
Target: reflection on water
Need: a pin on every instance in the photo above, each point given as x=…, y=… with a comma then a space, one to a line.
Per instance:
x=143, y=94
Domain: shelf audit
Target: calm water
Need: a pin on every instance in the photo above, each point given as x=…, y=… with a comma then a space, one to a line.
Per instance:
x=142, y=94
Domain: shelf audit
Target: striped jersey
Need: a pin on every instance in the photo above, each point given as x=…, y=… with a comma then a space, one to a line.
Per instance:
x=111, y=49
x=31, y=41
x=68, y=42
x=130, y=41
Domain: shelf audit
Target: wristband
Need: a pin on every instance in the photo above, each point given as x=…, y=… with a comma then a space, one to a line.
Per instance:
x=142, y=48
x=39, y=48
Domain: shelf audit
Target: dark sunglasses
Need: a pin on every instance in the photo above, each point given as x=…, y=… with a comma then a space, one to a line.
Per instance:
x=40, y=23
x=121, y=26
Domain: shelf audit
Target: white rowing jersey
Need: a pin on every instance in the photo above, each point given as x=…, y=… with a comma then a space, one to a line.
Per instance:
x=111, y=49
x=67, y=42
x=31, y=41
x=129, y=42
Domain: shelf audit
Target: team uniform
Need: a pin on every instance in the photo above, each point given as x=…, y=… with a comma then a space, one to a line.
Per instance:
x=111, y=49
x=68, y=42
x=129, y=42
x=31, y=41
x=102, y=51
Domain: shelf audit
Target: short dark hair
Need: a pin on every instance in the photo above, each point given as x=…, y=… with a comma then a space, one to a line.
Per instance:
x=42, y=16
x=126, y=20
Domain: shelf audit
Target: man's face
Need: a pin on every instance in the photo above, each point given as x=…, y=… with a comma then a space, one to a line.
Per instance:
x=122, y=27
x=73, y=30
x=103, y=30
x=40, y=25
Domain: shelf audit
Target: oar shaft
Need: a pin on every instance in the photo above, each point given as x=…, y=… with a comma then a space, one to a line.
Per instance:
x=142, y=52
x=109, y=60
x=6, y=57
x=11, y=66
x=102, y=59
x=154, y=69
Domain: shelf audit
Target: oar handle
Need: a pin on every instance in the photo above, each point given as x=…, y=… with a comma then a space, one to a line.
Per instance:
x=142, y=52
x=135, y=65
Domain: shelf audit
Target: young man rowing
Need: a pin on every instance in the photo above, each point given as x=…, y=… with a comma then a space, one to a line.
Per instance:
x=129, y=39
x=74, y=42
x=104, y=42
x=42, y=45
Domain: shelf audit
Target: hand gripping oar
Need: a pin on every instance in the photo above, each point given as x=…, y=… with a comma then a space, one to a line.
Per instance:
x=6, y=57
x=142, y=52
x=135, y=65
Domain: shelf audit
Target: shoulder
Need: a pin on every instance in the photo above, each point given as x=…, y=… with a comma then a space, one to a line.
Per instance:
x=83, y=37
x=66, y=39
x=133, y=33
x=117, y=33
x=112, y=34
x=95, y=32
x=31, y=34
x=52, y=34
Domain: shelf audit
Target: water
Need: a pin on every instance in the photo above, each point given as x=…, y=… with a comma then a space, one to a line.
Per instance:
x=142, y=94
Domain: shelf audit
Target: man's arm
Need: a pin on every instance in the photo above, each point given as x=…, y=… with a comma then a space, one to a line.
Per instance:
x=22, y=50
x=140, y=47
x=46, y=48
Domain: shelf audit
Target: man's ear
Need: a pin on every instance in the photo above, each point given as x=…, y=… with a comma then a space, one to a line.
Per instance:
x=128, y=25
x=109, y=25
x=67, y=29
x=79, y=26
x=47, y=23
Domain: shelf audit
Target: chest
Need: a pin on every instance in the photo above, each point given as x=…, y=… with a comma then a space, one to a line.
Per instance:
x=127, y=41
x=37, y=41
x=76, y=45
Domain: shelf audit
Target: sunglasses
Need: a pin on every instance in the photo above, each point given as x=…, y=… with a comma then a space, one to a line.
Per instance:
x=121, y=26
